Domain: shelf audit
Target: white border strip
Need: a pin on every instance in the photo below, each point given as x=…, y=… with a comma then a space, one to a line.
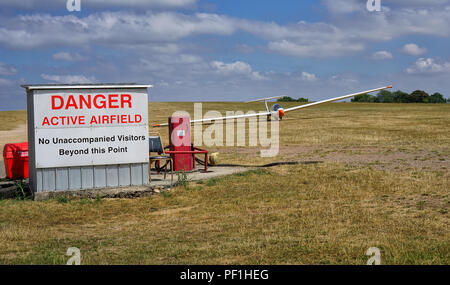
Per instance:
x=48, y=87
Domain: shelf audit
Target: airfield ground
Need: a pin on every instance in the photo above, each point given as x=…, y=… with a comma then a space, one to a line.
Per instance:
x=383, y=182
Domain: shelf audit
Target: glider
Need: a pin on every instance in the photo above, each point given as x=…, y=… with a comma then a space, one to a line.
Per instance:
x=276, y=111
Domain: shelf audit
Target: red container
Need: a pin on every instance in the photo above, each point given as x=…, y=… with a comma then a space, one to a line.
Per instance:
x=180, y=140
x=16, y=160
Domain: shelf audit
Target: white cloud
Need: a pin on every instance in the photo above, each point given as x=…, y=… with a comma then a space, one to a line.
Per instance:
x=166, y=48
x=382, y=55
x=66, y=56
x=101, y=4
x=68, y=79
x=142, y=3
x=314, y=49
x=428, y=65
x=345, y=36
x=308, y=76
x=405, y=19
x=344, y=79
x=344, y=6
x=350, y=35
x=244, y=48
x=163, y=48
x=413, y=49
x=168, y=64
x=256, y=75
x=5, y=82
x=349, y=6
x=108, y=28
x=7, y=69
x=304, y=39
x=407, y=3
x=236, y=68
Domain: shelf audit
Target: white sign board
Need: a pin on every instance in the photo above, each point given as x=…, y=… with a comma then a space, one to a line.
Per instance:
x=90, y=127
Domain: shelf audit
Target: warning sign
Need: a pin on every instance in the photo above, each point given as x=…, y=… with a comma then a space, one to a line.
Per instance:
x=90, y=127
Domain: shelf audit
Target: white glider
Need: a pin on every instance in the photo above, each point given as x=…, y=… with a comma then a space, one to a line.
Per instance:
x=278, y=112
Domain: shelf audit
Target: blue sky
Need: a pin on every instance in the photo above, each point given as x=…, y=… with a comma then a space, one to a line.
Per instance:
x=226, y=50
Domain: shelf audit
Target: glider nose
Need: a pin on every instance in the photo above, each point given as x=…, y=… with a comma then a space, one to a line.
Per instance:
x=280, y=113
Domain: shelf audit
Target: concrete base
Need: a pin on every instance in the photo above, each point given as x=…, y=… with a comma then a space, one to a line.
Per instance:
x=8, y=192
x=125, y=192
x=197, y=174
x=157, y=185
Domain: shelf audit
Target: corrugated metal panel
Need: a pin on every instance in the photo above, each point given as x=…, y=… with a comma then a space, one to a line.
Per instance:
x=48, y=179
x=75, y=178
x=112, y=176
x=99, y=176
x=145, y=177
x=89, y=177
x=39, y=186
x=136, y=174
x=124, y=175
x=62, y=179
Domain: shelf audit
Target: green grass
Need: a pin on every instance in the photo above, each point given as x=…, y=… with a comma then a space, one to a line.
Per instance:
x=63, y=199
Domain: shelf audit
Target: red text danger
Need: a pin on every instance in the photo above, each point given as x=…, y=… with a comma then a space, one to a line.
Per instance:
x=87, y=101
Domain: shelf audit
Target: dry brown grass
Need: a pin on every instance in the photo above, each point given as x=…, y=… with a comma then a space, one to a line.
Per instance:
x=383, y=182
x=12, y=119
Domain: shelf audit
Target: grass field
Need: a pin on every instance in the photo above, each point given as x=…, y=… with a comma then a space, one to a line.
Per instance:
x=12, y=119
x=383, y=181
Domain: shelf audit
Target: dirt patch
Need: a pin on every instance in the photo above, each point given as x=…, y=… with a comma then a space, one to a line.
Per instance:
x=389, y=160
x=172, y=211
x=20, y=134
x=380, y=158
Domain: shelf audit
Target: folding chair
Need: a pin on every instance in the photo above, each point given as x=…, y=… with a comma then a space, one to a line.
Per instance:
x=155, y=145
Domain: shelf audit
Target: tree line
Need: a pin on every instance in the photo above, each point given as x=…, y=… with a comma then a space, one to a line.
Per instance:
x=290, y=99
x=385, y=96
x=418, y=96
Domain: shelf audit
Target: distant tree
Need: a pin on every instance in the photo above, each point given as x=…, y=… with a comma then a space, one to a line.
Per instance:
x=364, y=98
x=286, y=99
x=384, y=96
x=400, y=97
x=301, y=99
x=436, y=98
x=419, y=96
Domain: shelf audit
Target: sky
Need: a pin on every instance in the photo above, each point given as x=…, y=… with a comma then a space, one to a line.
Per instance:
x=226, y=50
